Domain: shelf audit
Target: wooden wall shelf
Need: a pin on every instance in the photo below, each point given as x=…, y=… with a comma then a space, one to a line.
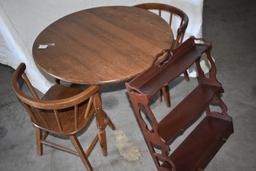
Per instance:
x=196, y=151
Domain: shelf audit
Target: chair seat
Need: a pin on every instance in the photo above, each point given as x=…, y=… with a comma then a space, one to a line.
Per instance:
x=47, y=119
x=59, y=91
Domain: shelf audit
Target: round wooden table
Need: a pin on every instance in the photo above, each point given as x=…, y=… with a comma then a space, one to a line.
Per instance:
x=101, y=45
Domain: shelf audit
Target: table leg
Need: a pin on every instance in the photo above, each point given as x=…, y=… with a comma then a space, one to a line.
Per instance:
x=102, y=122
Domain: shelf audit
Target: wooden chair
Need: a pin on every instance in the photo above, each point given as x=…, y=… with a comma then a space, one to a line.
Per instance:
x=63, y=111
x=179, y=32
x=200, y=146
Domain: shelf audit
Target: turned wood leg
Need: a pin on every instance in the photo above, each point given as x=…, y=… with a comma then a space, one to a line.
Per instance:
x=166, y=94
x=102, y=121
x=39, y=145
x=102, y=133
x=81, y=152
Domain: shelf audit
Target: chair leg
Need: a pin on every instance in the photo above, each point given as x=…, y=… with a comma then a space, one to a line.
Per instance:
x=101, y=124
x=81, y=152
x=101, y=117
x=166, y=94
x=39, y=145
x=102, y=121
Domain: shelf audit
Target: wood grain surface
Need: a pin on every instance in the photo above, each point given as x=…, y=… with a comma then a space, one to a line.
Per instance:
x=102, y=45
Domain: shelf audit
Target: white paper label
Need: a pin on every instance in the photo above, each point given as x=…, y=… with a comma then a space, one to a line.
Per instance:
x=44, y=46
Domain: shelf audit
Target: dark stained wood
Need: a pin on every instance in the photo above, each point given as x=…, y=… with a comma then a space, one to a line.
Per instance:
x=169, y=70
x=63, y=111
x=39, y=145
x=202, y=144
x=196, y=151
x=180, y=17
x=173, y=12
x=81, y=152
x=180, y=118
x=102, y=45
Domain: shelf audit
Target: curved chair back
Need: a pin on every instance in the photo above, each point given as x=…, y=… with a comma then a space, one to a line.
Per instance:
x=63, y=116
x=173, y=12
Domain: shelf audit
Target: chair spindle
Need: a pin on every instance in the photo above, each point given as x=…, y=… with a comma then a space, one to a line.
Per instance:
x=160, y=12
x=170, y=20
x=88, y=108
x=75, y=117
x=57, y=119
x=30, y=87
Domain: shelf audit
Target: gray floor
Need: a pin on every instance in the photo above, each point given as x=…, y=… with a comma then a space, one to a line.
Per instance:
x=231, y=28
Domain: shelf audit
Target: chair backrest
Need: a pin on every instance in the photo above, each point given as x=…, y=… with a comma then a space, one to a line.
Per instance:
x=145, y=86
x=53, y=115
x=174, y=12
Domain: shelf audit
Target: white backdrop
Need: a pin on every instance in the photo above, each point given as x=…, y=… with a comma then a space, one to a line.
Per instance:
x=21, y=21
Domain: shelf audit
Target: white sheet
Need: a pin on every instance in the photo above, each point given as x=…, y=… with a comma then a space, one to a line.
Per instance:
x=22, y=21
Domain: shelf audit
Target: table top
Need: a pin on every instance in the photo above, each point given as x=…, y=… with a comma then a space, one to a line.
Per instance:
x=101, y=45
